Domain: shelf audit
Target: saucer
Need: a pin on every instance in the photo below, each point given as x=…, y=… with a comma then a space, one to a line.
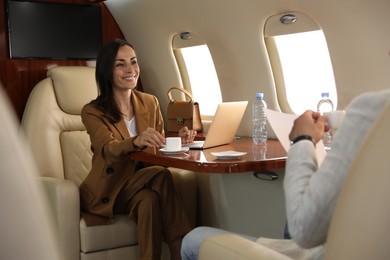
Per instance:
x=228, y=155
x=181, y=151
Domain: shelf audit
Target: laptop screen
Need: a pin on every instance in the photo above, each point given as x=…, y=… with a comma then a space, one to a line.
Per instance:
x=224, y=126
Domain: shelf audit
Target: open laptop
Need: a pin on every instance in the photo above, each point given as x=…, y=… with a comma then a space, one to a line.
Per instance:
x=224, y=126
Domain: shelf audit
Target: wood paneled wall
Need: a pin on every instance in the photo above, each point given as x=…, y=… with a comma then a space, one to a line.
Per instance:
x=18, y=77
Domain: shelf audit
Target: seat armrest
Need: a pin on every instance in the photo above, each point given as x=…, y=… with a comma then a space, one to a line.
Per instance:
x=231, y=247
x=64, y=202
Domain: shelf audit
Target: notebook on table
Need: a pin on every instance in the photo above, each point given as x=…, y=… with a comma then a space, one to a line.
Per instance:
x=224, y=126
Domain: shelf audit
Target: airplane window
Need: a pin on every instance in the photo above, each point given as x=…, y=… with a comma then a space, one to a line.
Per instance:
x=300, y=63
x=198, y=75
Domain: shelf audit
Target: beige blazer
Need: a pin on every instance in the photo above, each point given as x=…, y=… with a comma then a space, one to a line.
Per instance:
x=111, y=145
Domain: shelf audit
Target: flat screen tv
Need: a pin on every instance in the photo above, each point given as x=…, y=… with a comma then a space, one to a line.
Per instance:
x=39, y=30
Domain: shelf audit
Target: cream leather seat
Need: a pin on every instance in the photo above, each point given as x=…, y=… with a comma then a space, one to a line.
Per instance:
x=27, y=228
x=361, y=222
x=61, y=147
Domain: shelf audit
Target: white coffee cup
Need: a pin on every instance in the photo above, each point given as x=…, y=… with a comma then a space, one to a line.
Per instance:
x=334, y=118
x=173, y=144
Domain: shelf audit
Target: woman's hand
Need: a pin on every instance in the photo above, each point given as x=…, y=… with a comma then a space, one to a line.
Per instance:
x=150, y=138
x=309, y=123
x=187, y=136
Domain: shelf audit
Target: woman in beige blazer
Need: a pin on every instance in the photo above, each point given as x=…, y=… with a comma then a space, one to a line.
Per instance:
x=119, y=121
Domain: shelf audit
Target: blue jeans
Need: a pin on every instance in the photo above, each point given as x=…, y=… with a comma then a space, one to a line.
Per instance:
x=192, y=241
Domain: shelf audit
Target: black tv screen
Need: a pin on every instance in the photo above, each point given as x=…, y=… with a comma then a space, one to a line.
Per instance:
x=39, y=30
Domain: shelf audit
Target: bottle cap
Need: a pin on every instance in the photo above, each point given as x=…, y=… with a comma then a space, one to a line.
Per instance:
x=259, y=95
x=325, y=94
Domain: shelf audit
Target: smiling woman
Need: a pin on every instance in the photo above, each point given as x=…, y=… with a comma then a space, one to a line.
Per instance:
x=125, y=78
x=120, y=121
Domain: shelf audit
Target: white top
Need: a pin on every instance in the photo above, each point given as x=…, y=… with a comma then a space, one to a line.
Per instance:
x=131, y=126
x=311, y=192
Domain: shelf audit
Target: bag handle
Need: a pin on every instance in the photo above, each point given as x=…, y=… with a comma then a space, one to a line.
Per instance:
x=187, y=93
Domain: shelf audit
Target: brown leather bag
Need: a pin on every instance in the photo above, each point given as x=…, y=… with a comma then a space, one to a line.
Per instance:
x=183, y=112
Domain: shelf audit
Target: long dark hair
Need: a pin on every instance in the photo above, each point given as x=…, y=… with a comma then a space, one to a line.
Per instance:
x=104, y=78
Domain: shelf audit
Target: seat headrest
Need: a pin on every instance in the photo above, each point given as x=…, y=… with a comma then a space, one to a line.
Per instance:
x=74, y=87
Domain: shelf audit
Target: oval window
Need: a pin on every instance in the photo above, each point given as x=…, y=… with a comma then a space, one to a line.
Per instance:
x=300, y=61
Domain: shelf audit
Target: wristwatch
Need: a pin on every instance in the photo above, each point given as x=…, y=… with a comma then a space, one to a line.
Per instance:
x=302, y=137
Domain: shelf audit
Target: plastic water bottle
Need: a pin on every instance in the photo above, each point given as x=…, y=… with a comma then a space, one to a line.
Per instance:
x=259, y=133
x=326, y=105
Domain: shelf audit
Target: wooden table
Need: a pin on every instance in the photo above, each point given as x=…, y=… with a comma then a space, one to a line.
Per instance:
x=258, y=158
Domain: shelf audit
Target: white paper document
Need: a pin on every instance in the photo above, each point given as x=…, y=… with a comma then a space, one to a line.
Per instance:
x=282, y=124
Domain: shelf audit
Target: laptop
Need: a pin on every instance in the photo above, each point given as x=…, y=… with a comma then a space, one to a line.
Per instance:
x=224, y=126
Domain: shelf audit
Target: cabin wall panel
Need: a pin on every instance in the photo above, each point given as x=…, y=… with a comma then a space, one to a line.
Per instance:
x=243, y=204
x=358, y=43
x=19, y=76
x=356, y=30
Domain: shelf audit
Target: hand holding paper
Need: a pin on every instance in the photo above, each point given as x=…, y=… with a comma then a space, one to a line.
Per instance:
x=282, y=124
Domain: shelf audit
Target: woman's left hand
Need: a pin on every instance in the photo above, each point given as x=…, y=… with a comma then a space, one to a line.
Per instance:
x=187, y=136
